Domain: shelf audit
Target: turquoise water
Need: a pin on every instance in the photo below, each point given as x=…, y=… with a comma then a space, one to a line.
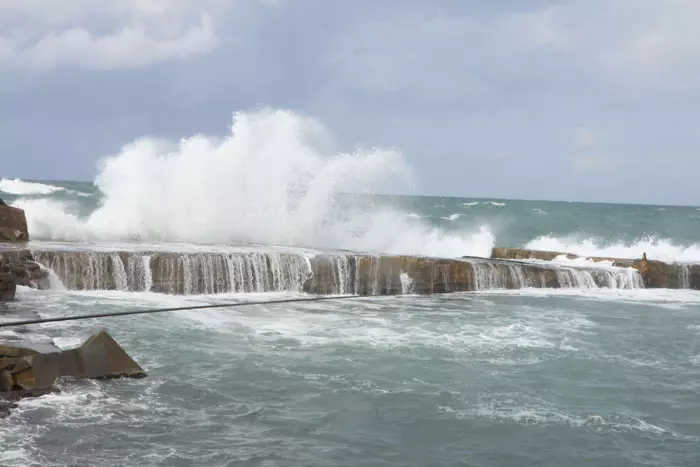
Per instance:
x=506, y=378
x=625, y=230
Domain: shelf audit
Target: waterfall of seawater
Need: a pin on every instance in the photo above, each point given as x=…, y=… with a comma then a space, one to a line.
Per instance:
x=245, y=272
x=683, y=276
x=178, y=273
x=515, y=275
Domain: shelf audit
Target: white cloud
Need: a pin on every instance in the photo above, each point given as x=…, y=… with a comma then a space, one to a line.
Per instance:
x=129, y=48
x=630, y=45
x=88, y=34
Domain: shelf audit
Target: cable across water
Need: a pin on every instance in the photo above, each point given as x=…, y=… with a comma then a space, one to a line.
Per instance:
x=184, y=308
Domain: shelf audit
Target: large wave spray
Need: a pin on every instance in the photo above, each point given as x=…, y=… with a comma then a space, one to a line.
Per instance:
x=272, y=181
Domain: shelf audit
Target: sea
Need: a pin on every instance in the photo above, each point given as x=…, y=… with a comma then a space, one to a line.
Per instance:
x=531, y=377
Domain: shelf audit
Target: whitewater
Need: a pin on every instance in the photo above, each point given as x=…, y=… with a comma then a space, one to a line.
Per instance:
x=582, y=376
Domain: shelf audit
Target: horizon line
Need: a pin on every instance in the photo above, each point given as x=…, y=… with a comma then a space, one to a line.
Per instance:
x=422, y=195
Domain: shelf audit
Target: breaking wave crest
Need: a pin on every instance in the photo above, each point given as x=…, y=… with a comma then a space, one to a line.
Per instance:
x=20, y=187
x=273, y=180
x=655, y=248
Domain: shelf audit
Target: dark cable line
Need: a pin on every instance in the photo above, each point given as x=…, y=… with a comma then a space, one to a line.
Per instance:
x=180, y=308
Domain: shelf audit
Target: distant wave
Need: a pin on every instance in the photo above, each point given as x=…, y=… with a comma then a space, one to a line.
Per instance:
x=492, y=203
x=452, y=217
x=20, y=187
x=655, y=248
x=269, y=181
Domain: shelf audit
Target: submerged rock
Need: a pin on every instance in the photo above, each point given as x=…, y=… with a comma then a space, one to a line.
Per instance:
x=30, y=370
x=5, y=407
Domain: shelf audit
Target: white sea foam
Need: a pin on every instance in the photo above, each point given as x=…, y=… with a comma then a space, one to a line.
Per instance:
x=673, y=299
x=65, y=343
x=371, y=323
x=509, y=408
x=20, y=187
x=452, y=217
x=655, y=248
x=271, y=181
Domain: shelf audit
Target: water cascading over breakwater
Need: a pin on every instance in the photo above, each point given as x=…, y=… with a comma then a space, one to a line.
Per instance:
x=177, y=273
x=518, y=275
x=246, y=272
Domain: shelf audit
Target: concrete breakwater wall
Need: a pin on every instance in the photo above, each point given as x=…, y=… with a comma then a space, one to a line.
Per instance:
x=334, y=273
x=339, y=273
x=655, y=274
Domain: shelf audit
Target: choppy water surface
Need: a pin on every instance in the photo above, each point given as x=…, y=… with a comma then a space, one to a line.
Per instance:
x=526, y=378
x=583, y=377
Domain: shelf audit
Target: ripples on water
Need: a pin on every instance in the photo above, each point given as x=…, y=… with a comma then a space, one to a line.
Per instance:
x=490, y=379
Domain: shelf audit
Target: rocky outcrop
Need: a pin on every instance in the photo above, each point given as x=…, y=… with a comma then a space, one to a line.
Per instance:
x=8, y=287
x=13, y=225
x=27, y=371
x=17, y=267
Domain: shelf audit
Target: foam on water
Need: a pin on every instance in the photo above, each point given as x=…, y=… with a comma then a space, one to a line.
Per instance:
x=65, y=343
x=374, y=323
x=468, y=358
x=674, y=299
x=512, y=408
x=273, y=180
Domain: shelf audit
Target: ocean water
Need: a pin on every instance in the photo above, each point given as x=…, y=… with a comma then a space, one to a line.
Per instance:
x=575, y=377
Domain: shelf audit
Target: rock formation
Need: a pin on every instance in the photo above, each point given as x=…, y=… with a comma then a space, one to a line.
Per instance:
x=13, y=225
x=27, y=370
x=17, y=267
x=8, y=287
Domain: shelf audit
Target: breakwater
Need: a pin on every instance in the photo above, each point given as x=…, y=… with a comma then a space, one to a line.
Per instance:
x=267, y=270
x=655, y=274
x=327, y=273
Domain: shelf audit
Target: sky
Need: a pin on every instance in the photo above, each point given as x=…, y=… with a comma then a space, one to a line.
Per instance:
x=590, y=100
